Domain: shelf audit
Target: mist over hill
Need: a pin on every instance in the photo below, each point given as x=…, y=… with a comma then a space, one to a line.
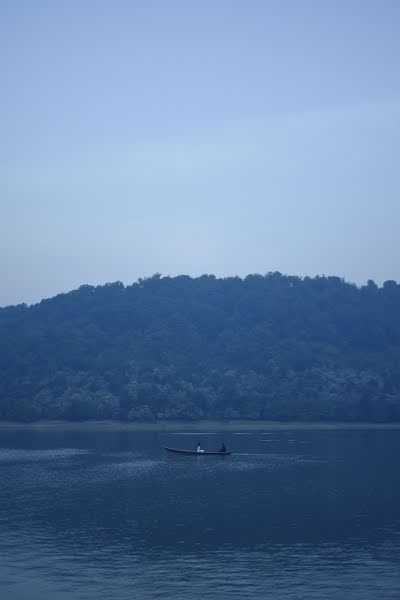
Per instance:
x=263, y=347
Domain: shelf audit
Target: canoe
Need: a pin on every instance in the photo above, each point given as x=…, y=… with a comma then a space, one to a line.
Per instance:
x=195, y=453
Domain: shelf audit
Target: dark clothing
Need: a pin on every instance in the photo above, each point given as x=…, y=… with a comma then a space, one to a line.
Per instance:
x=223, y=448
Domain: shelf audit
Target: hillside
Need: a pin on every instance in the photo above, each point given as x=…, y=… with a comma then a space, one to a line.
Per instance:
x=263, y=347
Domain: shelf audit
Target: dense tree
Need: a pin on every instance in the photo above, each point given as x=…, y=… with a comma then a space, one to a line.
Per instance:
x=263, y=347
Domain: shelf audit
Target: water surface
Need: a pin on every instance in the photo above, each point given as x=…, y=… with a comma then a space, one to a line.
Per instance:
x=290, y=515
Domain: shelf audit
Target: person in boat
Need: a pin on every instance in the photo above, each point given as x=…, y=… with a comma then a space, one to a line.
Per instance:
x=199, y=448
x=223, y=448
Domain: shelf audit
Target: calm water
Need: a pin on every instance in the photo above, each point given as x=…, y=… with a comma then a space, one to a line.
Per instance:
x=290, y=515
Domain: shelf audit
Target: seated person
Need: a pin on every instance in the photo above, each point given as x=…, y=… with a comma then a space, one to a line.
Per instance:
x=223, y=448
x=199, y=449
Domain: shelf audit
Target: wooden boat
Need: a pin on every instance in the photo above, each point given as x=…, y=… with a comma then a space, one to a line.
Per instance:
x=195, y=453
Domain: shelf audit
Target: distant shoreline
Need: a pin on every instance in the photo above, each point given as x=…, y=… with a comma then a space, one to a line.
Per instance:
x=194, y=425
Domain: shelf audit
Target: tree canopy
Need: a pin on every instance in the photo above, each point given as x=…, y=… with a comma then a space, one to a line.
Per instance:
x=263, y=347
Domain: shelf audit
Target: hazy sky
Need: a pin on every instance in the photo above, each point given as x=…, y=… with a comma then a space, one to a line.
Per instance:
x=183, y=136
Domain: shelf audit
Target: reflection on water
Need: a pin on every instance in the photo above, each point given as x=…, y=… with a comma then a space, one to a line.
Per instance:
x=109, y=514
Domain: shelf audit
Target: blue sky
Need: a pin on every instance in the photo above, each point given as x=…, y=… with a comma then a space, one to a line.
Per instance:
x=225, y=137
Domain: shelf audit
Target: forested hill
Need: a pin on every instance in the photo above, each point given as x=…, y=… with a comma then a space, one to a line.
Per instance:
x=263, y=347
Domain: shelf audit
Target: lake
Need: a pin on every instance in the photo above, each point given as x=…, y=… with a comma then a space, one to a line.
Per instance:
x=109, y=514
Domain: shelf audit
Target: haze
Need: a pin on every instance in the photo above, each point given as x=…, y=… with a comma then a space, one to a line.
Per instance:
x=226, y=137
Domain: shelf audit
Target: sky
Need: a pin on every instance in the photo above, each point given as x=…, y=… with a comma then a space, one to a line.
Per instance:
x=177, y=136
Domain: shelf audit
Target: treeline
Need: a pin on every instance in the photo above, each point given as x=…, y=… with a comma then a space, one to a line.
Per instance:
x=263, y=347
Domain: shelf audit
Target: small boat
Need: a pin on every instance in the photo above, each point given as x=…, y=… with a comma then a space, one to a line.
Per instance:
x=195, y=453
